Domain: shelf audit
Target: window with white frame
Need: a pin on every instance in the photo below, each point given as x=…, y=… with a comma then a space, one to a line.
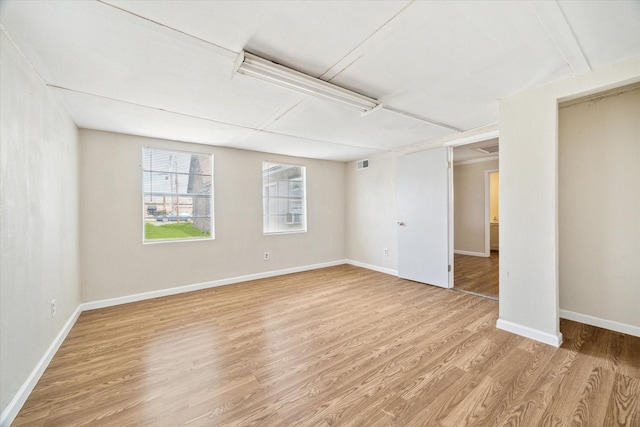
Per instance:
x=284, y=199
x=177, y=195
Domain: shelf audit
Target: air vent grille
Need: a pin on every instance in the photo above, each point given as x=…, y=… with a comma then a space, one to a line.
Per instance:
x=362, y=164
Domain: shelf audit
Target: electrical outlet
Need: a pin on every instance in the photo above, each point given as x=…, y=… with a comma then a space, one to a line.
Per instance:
x=53, y=308
x=266, y=256
x=386, y=251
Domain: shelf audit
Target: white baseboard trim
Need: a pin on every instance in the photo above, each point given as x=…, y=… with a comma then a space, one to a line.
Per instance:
x=372, y=267
x=205, y=285
x=480, y=254
x=534, y=334
x=601, y=323
x=12, y=409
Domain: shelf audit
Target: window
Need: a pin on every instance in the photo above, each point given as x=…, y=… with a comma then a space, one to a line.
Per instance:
x=177, y=199
x=283, y=201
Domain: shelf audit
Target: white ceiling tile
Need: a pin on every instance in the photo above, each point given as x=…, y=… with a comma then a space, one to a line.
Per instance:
x=277, y=144
x=607, y=31
x=105, y=114
x=380, y=130
x=109, y=115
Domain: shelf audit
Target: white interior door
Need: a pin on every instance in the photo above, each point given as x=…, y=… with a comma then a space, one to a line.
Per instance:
x=423, y=217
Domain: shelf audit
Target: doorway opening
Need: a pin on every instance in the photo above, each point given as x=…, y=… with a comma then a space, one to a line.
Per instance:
x=476, y=218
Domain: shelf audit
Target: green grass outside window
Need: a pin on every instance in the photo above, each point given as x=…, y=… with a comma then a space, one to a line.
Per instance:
x=183, y=230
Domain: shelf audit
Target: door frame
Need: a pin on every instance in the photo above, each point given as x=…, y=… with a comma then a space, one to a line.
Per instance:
x=487, y=210
x=450, y=213
x=482, y=136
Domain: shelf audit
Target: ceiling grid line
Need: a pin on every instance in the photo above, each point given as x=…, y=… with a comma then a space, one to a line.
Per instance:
x=365, y=40
x=24, y=57
x=278, y=115
x=361, y=47
x=221, y=50
x=424, y=119
x=558, y=29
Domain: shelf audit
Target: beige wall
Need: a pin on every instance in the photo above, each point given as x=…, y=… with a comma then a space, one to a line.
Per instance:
x=599, y=207
x=469, y=206
x=39, y=258
x=115, y=263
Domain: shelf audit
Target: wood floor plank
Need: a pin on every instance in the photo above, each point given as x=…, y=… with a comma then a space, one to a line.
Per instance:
x=340, y=346
x=477, y=274
x=408, y=409
x=624, y=403
x=592, y=407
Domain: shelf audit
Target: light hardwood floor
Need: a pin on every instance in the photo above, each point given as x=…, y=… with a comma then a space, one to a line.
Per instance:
x=476, y=274
x=337, y=346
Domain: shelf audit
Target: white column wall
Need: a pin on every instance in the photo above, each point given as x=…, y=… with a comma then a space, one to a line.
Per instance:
x=529, y=302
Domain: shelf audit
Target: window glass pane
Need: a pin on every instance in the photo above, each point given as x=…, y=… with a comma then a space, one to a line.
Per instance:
x=177, y=195
x=284, y=203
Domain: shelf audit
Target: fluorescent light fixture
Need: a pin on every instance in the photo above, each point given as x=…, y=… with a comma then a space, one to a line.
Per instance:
x=255, y=66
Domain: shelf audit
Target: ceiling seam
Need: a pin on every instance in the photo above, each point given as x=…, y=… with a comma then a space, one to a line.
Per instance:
x=249, y=128
x=344, y=68
x=566, y=21
x=384, y=106
x=227, y=50
x=4, y=30
x=424, y=119
x=365, y=39
x=571, y=52
x=269, y=121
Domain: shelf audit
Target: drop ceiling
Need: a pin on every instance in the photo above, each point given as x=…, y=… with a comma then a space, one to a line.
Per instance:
x=165, y=68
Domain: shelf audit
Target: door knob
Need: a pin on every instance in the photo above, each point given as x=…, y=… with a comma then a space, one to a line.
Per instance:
x=400, y=223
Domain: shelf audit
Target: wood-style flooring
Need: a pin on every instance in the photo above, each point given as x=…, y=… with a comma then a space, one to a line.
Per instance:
x=476, y=274
x=337, y=346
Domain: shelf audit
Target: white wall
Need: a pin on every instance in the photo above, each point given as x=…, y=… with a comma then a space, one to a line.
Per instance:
x=38, y=220
x=371, y=205
x=371, y=213
x=469, y=205
x=115, y=262
x=529, y=302
x=599, y=209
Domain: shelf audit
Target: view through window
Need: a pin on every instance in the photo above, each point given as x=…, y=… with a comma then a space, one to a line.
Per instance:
x=284, y=203
x=177, y=201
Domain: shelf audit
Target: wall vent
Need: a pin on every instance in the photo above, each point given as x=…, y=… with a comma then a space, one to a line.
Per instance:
x=362, y=164
x=490, y=149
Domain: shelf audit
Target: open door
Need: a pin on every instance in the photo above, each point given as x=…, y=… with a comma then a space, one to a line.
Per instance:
x=423, y=217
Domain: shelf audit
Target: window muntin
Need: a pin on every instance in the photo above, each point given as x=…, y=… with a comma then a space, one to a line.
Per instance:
x=284, y=198
x=177, y=195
